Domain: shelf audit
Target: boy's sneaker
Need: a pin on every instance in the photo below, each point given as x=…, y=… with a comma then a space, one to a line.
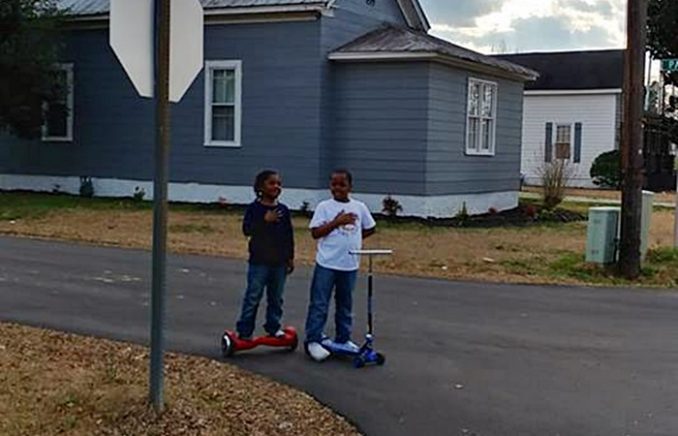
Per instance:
x=244, y=338
x=317, y=351
x=279, y=334
x=347, y=347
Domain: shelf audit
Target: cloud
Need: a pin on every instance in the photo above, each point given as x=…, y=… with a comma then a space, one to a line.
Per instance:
x=530, y=25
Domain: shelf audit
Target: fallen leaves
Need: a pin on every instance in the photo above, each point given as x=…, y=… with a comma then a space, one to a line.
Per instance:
x=61, y=383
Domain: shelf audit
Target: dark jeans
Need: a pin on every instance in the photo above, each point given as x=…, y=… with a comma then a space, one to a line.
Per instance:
x=324, y=282
x=272, y=278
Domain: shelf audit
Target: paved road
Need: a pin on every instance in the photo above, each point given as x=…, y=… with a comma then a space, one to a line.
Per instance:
x=463, y=358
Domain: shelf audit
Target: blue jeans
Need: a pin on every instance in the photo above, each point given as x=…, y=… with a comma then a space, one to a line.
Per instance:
x=272, y=278
x=324, y=282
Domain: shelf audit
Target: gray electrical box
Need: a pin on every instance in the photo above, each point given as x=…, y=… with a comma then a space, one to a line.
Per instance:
x=603, y=231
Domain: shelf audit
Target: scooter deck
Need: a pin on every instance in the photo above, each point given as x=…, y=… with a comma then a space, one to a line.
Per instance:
x=231, y=343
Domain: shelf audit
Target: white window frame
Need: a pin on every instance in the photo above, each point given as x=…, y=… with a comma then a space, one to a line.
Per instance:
x=68, y=68
x=210, y=66
x=476, y=150
x=554, y=140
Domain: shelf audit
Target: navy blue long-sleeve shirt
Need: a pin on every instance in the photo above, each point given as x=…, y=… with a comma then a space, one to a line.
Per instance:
x=270, y=243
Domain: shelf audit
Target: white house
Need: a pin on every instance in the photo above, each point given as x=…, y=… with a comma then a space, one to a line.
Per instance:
x=573, y=111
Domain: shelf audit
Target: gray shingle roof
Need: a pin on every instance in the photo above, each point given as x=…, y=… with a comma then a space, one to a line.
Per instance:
x=577, y=70
x=399, y=40
x=95, y=7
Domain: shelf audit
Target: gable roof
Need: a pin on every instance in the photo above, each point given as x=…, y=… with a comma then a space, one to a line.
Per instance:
x=573, y=70
x=393, y=43
x=412, y=10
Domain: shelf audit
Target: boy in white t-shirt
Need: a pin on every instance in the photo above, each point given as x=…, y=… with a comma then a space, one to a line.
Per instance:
x=339, y=225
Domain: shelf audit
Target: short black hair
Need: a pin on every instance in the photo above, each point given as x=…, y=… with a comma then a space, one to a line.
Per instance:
x=260, y=179
x=345, y=172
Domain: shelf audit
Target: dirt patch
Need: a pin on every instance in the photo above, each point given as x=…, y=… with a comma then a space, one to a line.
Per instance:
x=508, y=253
x=54, y=383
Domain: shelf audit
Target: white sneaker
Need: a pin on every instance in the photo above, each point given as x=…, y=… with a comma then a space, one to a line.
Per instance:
x=279, y=334
x=317, y=351
x=348, y=347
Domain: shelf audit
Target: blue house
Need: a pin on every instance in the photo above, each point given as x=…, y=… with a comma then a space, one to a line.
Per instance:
x=302, y=86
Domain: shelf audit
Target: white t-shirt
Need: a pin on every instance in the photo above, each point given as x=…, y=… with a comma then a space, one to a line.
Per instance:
x=334, y=249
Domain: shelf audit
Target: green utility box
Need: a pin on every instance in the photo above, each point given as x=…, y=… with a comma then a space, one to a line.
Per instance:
x=605, y=227
x=603, y=231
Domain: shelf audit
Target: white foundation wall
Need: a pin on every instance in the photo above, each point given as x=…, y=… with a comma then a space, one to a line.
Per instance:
x=596, y=112
x=441, y=206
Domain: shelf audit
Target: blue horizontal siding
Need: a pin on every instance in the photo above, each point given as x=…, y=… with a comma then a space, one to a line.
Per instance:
x=114, y=127
x=381, y=126
x=448, y=169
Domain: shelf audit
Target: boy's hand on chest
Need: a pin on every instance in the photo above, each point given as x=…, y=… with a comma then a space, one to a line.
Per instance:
x=344, y=219
x=273, y=216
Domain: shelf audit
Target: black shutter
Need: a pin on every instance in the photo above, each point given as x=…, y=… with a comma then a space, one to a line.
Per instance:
x=548, y=143
x=577, y=142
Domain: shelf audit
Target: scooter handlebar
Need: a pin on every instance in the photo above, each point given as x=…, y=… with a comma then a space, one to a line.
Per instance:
x=371, y=252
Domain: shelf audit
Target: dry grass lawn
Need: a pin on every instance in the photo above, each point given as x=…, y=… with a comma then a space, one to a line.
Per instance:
x=549, y=253
x=605, y=194
x=53, y=383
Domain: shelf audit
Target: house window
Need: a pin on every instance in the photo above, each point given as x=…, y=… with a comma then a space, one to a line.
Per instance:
x=223, y=91
x=59, y=113
x=481, y=120
x=563, y=141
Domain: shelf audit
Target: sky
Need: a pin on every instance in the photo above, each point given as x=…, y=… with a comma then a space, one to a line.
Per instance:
x=510, y=26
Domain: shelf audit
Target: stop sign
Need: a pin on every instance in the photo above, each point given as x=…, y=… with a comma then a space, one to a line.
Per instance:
x=132, y=38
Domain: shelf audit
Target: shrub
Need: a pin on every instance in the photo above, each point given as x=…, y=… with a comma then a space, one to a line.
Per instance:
x=463, y=216
x=531, y=211
x=391, y=207
x=555, y=176
x=305, y=208
x=86, y=187
x=139, y=194
x=606, y=170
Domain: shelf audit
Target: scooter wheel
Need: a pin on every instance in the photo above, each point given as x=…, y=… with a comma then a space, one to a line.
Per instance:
x=381, y=359
x=227, y=347
x=359, y=362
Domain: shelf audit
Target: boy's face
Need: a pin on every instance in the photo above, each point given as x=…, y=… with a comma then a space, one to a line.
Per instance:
x=340, y=186
x=272, y=187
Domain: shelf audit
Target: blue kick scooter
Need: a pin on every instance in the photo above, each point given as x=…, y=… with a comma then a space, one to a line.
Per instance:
x=366, y=355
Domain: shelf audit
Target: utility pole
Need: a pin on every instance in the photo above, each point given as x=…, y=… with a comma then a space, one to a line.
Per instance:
x=632, y=142
x=162, y=145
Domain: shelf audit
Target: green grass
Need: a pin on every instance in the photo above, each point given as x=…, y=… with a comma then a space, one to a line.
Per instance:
x=21, y=205
x=659, y=269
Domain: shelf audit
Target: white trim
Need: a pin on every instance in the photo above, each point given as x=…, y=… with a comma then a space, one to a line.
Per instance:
x=574, y=92
x=382, y=56
x=493, y=138
x=389, y=56
x=417, y=20
x=260, y=19
x=253, y=10
x=70, y=105
x=554, y=141
x=235, y=65
x=439, y=206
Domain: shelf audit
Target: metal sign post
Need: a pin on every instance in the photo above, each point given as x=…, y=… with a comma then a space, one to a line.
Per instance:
x=162, y=145
x=160, y=45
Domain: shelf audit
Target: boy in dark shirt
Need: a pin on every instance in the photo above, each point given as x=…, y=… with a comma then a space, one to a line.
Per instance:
x=268, y=224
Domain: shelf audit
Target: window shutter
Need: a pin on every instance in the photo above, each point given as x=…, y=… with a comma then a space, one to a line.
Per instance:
x=577, y=143
x=548, y=143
